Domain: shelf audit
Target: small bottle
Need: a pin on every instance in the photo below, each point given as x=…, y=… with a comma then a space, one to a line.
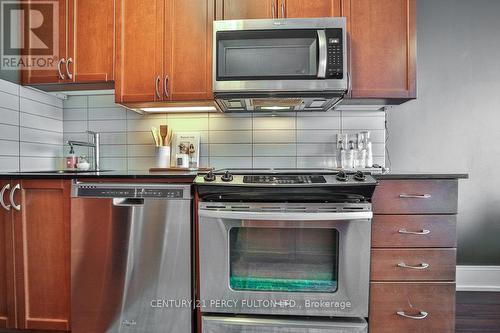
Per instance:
x=369, y=155
x=351, y=156
x=71, y=159
x=341, y=153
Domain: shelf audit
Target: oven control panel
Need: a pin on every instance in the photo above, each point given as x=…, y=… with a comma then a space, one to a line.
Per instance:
x=284, y=179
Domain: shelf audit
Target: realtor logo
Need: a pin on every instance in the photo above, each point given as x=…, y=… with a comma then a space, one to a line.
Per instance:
x=29, y=34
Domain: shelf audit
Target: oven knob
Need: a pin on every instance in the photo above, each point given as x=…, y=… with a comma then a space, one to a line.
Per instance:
x=360, y=176
x=226, y=177
x=209, y=177
x=342, y=176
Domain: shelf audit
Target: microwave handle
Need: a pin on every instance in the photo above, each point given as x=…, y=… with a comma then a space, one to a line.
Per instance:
x=323, y=54
x=283, y=216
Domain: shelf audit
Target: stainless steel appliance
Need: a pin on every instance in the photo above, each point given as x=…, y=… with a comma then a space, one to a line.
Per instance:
x=280, y=64
x=131, y=258
x=285, y=243
x=213, y=324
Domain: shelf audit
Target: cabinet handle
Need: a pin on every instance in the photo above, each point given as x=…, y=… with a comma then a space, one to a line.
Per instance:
x=273, y=10
x=2, y=192
x=59, y=63
x=282, y=9
x=157, y=86
x=415, y=196
x=69, y=62
x=165, y=86
x=420, y=267
x=11, y=197
x=420, y=316
x=423, y=232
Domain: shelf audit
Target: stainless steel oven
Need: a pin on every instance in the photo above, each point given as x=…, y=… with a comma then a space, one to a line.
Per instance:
x=309, y=259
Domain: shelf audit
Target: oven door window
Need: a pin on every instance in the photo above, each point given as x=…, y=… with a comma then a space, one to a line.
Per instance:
x=267, y=54
x=284, y=259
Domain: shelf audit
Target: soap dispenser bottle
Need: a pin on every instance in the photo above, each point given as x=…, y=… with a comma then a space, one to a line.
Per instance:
x=71, y=159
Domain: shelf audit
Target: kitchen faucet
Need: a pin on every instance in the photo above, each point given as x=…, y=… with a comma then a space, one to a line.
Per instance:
x=94, y=144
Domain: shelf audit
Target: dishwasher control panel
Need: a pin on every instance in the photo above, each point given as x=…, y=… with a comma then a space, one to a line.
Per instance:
x=120, y=191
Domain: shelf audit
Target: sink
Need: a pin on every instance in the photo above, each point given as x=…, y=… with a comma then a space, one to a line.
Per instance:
x=64, y=171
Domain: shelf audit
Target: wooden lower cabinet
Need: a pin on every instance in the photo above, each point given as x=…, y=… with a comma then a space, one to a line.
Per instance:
x=413, y=264
x=7, y=308
x=397, y=231
x=35, y=261
x=413, y=256
x=437, y=196
x=436, y=299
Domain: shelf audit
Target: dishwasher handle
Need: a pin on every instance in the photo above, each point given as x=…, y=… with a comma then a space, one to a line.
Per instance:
x=128, y=202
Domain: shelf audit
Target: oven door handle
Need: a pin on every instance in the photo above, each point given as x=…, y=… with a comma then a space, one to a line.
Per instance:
x=285, y=216
x=323, y=54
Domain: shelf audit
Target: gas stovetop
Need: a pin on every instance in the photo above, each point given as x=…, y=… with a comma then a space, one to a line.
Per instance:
x=285, y=177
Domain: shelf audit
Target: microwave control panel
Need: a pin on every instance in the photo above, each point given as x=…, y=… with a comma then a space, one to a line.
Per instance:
x=335, y=48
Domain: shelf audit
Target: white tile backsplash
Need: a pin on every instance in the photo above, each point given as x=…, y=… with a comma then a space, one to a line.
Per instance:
x=9, y=117
x=9, y=101
x=9, y=132
x=36, y=125
x=31, y=129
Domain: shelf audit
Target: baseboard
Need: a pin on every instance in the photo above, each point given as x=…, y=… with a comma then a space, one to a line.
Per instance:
x=478, y=278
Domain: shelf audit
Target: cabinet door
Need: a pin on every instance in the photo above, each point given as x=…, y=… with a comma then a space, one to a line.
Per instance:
x=246, y=9
x=90, y=40
x=382, y=48
x=309, y=8
x=56, y=39
x=139, y=50
x=188, y=53
x=42, y=254
x=7, y=302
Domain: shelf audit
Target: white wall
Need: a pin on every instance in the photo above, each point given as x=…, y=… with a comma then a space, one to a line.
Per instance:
x=454, y=123
x=31, y=129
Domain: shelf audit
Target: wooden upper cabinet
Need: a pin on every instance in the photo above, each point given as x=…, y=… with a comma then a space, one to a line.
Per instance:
x=309, y=8
x=7, y=303
x=382, y=41
x=139, y=50
x=164, y=51
x=246, y=9
x=84, y=44
x=188, y=50
x=91, y=40
x=42, y=254
x=57, y=46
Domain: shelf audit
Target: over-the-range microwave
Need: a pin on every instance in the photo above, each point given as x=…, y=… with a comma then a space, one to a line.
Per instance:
x=280, y=64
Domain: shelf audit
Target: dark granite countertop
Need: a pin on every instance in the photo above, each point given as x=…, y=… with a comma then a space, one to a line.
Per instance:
x=139, y=174
x=145, y=174
x=419, y=175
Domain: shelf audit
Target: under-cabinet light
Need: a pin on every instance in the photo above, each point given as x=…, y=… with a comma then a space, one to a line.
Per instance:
x=180, y=109
x=275, y=108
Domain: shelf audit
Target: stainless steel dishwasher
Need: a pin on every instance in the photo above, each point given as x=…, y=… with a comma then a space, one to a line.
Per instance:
x=131, y=258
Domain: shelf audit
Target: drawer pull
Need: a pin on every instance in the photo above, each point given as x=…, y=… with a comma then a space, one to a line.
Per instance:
x=421, y=266
x=420, y=316
x=423, y=232
x=415, y=196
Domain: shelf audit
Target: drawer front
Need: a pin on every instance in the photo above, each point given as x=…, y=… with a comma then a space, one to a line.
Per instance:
x=413, y=264
x=389, y=298
x=414, y=231
x=416, y=197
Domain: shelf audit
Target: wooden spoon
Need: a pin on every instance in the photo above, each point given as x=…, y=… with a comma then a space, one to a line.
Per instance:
x=163, y=134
